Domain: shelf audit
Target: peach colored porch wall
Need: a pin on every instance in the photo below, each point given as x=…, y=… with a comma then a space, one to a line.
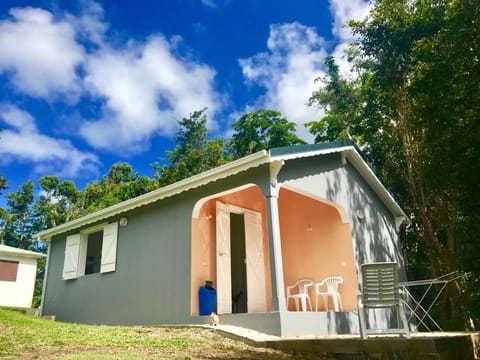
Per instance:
x=203, y=252
x=204, y=240
x=316, y=244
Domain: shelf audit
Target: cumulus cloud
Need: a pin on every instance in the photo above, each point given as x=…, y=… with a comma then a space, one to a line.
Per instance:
x=143, y=86
x=41, y=54
x=146, y=88
x=343, y=11
x=287, y=71
x=21, y=141
x=294, y=59
x=90, y=24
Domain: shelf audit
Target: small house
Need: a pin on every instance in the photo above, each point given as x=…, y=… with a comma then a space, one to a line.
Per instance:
x=18, y=270
x=252, y=227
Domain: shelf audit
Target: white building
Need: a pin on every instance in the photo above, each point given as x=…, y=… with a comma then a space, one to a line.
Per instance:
x=18, y=269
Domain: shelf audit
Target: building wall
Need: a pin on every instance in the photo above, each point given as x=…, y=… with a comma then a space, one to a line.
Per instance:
x=372, y=224
x=204, y=237
x=316, y=243
x=140, y=290
x=151, y=283
x=19, y=293
x=152, y=280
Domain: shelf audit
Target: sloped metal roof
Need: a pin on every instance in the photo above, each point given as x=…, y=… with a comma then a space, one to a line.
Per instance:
x=15, y=252
x=347, y=149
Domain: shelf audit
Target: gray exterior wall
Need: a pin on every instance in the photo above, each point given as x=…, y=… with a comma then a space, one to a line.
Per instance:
x=374, y=237
x=151, y=283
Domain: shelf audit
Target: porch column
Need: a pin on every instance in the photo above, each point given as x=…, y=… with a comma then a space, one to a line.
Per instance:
x=278, y=290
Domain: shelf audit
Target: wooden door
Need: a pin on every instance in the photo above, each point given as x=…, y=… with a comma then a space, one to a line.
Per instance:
x=224, y=277
x=257, y=298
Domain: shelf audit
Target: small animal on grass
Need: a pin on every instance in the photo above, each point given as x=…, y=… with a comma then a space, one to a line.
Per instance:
x=214, y=319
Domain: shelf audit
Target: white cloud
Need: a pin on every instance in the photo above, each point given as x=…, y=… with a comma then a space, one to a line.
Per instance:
x=342, y=11
x=90, y=24
x=295, y=58
x=22, y=142
x=215, y=3
x=146, y=89
x=40, y=53
x=287, y=71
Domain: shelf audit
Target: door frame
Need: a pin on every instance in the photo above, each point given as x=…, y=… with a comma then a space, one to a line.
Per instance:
x=256, y=280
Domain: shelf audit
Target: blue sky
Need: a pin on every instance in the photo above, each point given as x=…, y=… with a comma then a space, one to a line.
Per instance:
x=84, y=84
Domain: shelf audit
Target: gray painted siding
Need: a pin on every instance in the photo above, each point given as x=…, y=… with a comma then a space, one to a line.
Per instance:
x=374, y=237
x=151, y=284
x=148, y=284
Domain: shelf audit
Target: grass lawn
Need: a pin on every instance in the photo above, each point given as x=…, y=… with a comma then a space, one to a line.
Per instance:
x=27, y=337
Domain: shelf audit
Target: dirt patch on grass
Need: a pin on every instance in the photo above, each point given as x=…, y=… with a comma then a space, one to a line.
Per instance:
x=26, y=337
x=168, y=343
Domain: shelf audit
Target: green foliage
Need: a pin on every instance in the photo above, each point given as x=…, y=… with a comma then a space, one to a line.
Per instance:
x=3, y=183
x=262, y=129
x=413, y=110
x=120, y=184
x=194, y=151
x=37, y=291
x=56, y=205
x=341, y=100
x=18, y=217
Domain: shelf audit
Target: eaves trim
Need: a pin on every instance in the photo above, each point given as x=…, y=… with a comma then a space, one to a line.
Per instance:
x=15, y=252
x=206, y=177
x=347, y=149
x=357, y=161
x=350, y=153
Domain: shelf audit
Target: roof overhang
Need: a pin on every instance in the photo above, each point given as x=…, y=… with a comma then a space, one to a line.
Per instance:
x=206, y=177
x=350, y=153
x=347, y=151
x=15, y=252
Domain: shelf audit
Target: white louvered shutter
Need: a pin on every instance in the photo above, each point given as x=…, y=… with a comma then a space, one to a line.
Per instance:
x=109, y=247
x=72, y=250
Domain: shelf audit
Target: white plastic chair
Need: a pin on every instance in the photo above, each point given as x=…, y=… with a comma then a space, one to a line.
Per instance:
x=299, y=291
x=331, y=284
x=380, y=289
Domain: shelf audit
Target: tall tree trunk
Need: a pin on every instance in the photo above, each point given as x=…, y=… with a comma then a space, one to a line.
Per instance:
x=442, y=257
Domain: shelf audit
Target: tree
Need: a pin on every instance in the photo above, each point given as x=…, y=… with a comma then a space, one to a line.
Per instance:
x=119, y=184
x=340, y=99
x=19, y=225
x=4, y=216
x=262, y=129
x=56, y=205
x=418, y=125
x=4, y=220
x=3, y=183
x=194, y=151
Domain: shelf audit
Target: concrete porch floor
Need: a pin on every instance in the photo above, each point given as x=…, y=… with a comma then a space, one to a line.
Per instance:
x=421, y=346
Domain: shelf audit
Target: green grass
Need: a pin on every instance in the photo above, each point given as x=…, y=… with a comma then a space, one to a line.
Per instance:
x=27, y=337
